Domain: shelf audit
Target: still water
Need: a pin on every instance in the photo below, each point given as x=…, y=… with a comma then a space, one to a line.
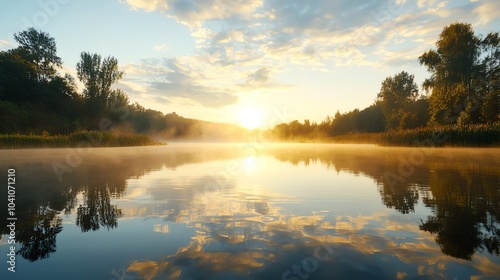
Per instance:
x=253, y=211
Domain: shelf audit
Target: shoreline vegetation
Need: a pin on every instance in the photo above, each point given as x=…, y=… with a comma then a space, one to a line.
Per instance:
x=444, y=136
x=75, y=139
x=479, y=135
x=459, y=104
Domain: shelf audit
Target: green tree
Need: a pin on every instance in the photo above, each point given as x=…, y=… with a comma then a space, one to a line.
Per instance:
x=395, y=96
x=453, y=67
x=371, y=119
x=17, y=77
x=35, y=102
x=39, y=49
x=98, y=75
x=488, y=78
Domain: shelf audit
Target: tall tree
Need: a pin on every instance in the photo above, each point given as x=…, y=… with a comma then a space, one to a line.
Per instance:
x=98, y=75
x=17, y=77
x=40, y=50
x=452, y=66
x=488, y=78
x=395, y=96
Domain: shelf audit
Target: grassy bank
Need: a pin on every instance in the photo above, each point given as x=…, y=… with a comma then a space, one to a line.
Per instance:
x=75, y=139
x=444, y=136
x=357, y=138
x=454, y=136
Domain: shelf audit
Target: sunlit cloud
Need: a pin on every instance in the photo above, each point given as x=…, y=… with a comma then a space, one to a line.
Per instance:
x=241, y=46
x=160, y=47
x=6, y=44
x=194, y=13
x=146, y=5
x=487, y=12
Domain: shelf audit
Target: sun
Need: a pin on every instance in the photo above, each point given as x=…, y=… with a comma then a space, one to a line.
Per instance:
x=250, y=117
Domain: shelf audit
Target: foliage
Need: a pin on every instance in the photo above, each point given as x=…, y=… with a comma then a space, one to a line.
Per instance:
x=478, y=135
x=79, y=138
x=488, y=78
x=98, y=75
x=464, y=86
x=368, y=120
x=397, y=95
x=465, y=76
x=39, y=50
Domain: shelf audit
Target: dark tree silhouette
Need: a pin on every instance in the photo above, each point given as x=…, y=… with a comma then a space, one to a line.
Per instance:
x=397, y=94
x=39, y=50
x=39, y=240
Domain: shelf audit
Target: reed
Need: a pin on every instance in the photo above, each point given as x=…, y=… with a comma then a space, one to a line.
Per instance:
x=358, y=138
x=75, y=139
x=480, y=135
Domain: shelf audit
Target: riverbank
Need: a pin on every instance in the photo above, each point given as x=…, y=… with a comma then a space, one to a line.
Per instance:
x=75, y=139
x=443, y=136
x=480, y=135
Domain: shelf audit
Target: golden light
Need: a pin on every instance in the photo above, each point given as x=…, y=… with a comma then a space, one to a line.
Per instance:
x=250, y=117
x=249, y=163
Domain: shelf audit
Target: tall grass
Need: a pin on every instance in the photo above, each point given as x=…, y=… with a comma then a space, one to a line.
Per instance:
x=480, y=135
x=75, y=139
x=357, y=138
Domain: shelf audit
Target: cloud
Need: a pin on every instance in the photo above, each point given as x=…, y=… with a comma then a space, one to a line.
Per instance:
x=428, y=3
x=160, y=47
x=260, y=76
x=260, y=79
x=6, y=44
x=146, y=5
x=175, y=78
x=206, y=96
x=194, y=13
x=240, y=44
x=487, y=12
x=283, y=31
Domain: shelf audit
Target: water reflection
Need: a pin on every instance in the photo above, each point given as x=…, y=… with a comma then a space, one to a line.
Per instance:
x=251, y=229
x=461, y=186
x=466, y=215
x=87, y=188
x=38, y=234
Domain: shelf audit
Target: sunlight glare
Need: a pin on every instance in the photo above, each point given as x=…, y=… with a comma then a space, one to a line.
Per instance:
x=249, y=163
x=250, y=118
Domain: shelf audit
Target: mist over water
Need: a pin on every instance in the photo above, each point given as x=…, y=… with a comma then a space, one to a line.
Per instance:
x=255, y=211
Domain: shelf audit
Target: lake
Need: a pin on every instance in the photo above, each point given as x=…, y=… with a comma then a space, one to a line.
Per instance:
x=253, y=211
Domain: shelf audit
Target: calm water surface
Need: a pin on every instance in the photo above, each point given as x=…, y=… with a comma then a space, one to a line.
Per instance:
x=268, y=211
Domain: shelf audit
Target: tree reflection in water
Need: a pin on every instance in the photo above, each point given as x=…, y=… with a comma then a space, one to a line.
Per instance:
x=38, y=236
x=463, y=193
x=466, y=216
x=95, y=182
x=462, y=190
x=97, y=210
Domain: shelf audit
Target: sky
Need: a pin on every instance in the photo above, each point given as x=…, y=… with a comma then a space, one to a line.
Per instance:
x=251, y=62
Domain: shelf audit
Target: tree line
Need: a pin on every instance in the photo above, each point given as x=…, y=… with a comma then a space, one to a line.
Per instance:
x=463, y=89
x=35, y=98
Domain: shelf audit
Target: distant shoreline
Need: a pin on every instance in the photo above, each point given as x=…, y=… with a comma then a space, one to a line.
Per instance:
x=487, y=136
x=75, y=140
x=480, y=135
